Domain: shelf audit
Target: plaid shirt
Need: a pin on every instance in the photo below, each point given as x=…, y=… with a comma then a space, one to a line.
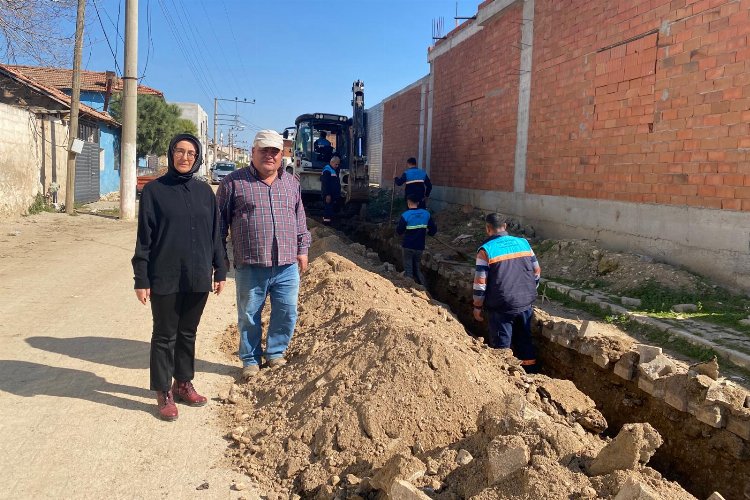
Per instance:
x=268, y=223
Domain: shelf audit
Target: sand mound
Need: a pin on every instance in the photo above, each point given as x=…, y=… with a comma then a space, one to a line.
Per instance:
x=385, y=391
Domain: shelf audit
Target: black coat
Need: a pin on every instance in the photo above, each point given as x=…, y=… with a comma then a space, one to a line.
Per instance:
x=178, y=247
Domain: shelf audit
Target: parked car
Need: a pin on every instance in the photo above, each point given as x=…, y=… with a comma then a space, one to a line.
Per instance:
x=220, y=170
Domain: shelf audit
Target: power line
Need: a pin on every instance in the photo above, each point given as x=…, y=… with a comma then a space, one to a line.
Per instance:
x=96, y=8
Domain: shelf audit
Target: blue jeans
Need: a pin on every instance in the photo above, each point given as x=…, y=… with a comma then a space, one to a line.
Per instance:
x=254, y=284
x=513, y=330
x=412, y=260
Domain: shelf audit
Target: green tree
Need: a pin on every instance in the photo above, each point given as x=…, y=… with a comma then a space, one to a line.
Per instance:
x=158, y=122
x=185, y=126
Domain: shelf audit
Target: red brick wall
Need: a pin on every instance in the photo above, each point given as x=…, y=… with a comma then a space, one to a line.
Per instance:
x=474, y=107
x=661, y=119
x=400, y=132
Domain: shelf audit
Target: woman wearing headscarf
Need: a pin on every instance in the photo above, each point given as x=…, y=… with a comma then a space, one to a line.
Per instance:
x=178, y=260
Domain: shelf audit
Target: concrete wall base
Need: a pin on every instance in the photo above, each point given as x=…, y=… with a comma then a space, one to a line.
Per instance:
x=714, y=243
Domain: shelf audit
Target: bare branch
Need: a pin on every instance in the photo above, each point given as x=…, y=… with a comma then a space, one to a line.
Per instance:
x=35, y=30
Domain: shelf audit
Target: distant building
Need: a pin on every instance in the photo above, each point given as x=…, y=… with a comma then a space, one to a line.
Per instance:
x=195, y=113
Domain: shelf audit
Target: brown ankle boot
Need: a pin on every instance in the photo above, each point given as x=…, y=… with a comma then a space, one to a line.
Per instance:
x=167, y=408
x=184, y=391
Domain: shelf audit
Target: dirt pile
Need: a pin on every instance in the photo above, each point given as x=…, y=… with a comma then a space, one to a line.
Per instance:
x=583, y=261
x=385, y=392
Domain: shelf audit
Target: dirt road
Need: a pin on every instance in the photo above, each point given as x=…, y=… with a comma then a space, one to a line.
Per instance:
x=76, y=416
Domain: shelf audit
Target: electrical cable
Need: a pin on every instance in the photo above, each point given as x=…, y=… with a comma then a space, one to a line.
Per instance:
x=96, y=8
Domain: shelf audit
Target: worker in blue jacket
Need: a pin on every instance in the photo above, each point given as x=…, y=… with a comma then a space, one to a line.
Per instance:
x=414, y=224
x=417, y=182
x=505, y=281
x=330, y=188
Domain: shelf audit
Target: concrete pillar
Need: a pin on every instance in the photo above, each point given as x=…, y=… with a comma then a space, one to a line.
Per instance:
x=524, y=96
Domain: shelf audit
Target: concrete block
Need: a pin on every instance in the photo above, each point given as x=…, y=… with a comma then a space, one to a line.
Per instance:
x=647, y=352
x=577, y=295
x=745, y=322
x=653, y=323
x=738, y=423
x=625, y=366
x=505, y=455
x=634, y=490
x=404, y=490
x=685, y=308
x=630, y=302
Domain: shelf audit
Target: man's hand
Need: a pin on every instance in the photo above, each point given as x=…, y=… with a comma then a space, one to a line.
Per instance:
x=302, y=263
x=219, y=286
x=328, y=198
x=478, y=314
x=143, y=295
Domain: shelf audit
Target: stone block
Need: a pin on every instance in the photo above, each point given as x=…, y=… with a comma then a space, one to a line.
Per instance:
x=726, y=393
x=463, y=457
x=712, y=415
x=652, y=375
x=404, y=490
x=745, y=322
x=635, y=490
x=675, y=394
x=715, y=496
x=398, y=467
x=697, y=388
x=601, y=360
x=708, y=368
x=685, y=308
x=617, y=309
x=634, y=444
x=505, y=455
x=647, y=352
x=630, y=302
x=590, y=329
x=738, y=423
x=625, y=366
x=578, y=295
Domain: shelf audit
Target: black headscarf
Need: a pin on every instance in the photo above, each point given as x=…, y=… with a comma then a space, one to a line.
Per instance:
x=172, y=172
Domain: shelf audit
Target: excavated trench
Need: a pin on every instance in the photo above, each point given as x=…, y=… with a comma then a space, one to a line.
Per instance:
x=703, y=458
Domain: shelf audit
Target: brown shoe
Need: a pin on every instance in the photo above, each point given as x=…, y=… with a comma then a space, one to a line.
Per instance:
x=274, y=363
x=185, y=392
x=167, y=408
x=249, y=372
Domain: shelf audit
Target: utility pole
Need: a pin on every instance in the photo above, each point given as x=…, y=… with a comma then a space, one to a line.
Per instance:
x=129, y=113
x=216, y=111
x=236, y=101
x=75, y=101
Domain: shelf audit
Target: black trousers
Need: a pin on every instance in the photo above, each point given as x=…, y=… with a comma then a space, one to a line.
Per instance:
x=176, y=317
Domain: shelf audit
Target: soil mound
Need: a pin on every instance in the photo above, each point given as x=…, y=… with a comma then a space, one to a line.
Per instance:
x=385, y=393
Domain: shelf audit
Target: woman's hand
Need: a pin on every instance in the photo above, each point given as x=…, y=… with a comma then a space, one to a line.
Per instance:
x=219, y=286
x=143, y=295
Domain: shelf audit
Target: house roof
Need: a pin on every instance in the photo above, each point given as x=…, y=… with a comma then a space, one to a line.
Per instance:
x=56, y=95
x=93, y=81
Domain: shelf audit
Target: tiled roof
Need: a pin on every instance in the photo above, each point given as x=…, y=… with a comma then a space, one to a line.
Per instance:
x=61, y=78
x=54, y=94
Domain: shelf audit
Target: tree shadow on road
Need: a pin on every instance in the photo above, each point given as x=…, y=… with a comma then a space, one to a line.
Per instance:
x=26, y=379
x=120, y=353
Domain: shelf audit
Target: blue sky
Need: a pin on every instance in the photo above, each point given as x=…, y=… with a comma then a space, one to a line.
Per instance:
x=291, y=56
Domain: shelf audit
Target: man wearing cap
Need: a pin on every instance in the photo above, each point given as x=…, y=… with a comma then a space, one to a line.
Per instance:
x=505, y=280
x=262, y=205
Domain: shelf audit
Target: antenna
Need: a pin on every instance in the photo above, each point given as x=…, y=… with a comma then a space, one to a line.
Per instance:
x=437, y=28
